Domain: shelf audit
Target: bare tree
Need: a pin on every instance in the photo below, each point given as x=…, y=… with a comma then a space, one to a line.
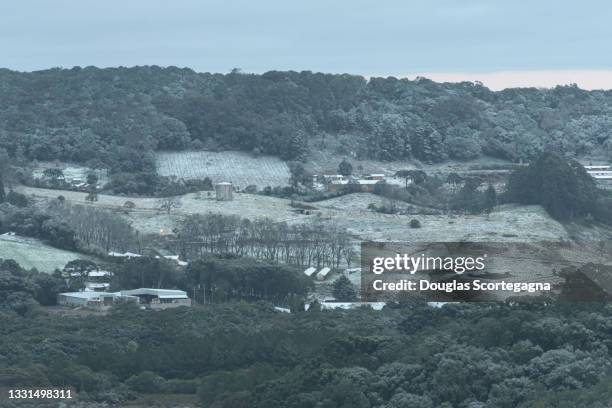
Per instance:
x=168, y=204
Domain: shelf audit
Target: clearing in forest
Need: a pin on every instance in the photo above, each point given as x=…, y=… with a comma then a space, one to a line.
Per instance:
x=242, y=169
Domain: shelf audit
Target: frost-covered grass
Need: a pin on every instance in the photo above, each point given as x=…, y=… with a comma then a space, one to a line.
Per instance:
x=240, y=168
x=31, y=253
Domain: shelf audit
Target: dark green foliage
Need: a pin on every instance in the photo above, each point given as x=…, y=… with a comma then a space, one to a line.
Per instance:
x=2, y=192
x=470, y=199
x=146, y=272
x=222, y=279
x=345, y=168
x=414, y=223
x=4, y=163
x=343, y=290
x=490, y=198
x=17, y=199
x=32, y=222
x=249, y=355
x=298, y=175
x=22, y=291
x=132, y=112
x=563, y=188
x=92, y=179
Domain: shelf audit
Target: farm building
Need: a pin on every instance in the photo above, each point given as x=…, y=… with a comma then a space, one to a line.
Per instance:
x=323, y=273
x=597, y=168
x=310, y=271
x=352, y=305
x=363, y=185
x=97, y=286
x=224, y=191
x=159, y=298
x=92, y=299
x=374, y=177
x=600, y=174
x=150, y=298
x=124, y=255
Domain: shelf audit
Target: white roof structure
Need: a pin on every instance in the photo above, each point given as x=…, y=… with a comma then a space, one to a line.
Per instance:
x=99, y=274
x=352, y=305
x=96, y=285
x=323, y=273
x=160, y=293
x=90, y=295
x=124, y=255
x=174, y=258
x=361, y=181
x=310, y=271
x=601, y=174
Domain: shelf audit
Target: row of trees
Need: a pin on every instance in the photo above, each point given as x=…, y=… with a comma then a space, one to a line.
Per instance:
x=96, y=229
x=316, y=243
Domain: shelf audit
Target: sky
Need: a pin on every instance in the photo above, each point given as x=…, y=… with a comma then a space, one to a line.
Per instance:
x=500, y=43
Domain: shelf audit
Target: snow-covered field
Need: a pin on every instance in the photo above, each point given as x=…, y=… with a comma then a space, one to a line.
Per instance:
x=31, y=253
x=506, y=223
x=240, y=168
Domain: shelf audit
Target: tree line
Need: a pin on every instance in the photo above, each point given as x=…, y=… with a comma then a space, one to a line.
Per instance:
x=118, y=117
x=309, y=244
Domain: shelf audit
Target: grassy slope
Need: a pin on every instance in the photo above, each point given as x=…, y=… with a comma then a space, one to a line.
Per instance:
x=31, y=253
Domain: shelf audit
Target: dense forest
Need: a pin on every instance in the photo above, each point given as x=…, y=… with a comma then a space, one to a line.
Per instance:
x=238, y=355
x=116, y=117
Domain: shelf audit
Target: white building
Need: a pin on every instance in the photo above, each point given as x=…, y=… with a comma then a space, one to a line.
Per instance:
x=95, y=300
x=323, y=273
x=600, y=174
x=310, y=271
x=147, y=297
x=159, y=298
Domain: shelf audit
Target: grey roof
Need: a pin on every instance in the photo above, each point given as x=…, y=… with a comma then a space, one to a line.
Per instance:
x=161, y=293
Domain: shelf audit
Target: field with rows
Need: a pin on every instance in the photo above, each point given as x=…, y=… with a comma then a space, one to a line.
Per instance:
x=242, y=169
x=31, y=253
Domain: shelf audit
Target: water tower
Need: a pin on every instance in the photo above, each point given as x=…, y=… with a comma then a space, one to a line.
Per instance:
x=224, y=191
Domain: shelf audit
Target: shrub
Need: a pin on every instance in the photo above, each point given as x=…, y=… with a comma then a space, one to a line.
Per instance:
x=414, y=223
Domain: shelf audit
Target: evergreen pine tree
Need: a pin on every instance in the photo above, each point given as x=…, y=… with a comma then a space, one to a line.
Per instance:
x=343, y=290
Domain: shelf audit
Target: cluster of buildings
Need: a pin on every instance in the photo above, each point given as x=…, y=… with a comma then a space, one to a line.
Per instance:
x=602, y=172
x=321, y=275
x=335, y=182
x=96, y=291
x=155, y=299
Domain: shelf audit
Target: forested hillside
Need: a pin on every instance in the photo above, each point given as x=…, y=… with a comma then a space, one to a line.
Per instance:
x=117, y=117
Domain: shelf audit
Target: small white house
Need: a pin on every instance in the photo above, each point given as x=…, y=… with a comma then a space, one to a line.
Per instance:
x=323, y=273
x=310, y=271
